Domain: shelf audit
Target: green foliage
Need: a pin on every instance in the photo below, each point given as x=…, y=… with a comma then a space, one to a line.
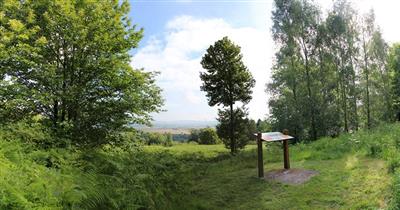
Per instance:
x=395, y=201
x=394, y=66
x=208, y=136
x=69, y=62
x=150, y=138
x=330, y=74
x=244, y=128
x=187, y=176
x=226, y=80
x=194, y=135
x=104, y=178
x=263, y=126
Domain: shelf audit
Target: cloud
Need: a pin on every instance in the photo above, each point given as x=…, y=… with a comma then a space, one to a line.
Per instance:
x=176, y=54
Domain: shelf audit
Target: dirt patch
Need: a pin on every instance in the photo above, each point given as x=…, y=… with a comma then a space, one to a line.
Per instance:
x=291, y=176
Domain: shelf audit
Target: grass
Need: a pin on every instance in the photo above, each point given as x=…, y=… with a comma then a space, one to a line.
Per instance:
x=356, y=171
x=184, y=149
x=353, y=174
x=351, y=183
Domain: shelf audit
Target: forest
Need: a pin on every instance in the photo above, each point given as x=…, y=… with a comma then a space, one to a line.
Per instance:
x=334, y=73
x=69, y=96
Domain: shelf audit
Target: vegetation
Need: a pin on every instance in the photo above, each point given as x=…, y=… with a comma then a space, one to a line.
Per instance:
x=243, y=128
x=148, y=138
x=358, y=171
x=226, y=81
x=194, y=135
x=68, y=94
x=208, y=136
x=70, y=178
x=68, y=62
x=334, y=70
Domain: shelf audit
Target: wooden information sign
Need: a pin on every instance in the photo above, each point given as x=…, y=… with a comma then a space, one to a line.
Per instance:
x=275, y=136
x=270, y=137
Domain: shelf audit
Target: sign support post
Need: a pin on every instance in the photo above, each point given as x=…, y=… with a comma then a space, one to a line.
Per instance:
x=271, y=137
x=260, y=156
x=286, y=162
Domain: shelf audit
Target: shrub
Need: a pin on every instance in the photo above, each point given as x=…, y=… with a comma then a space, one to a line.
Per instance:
x=208, y=136
x=164, y=139
x=243, y=128
x=194, y=135
x=110, y=177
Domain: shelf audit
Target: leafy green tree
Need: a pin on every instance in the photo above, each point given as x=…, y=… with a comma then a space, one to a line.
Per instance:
x=376, y=74
x=294, y=101
x=342, y=40
x=208, y=136
x=367, y=31
x=168, y=140
x=71, y=61
x=244, y=128
x=226, y=80
x=263, y=126
x=394, y=66
x=194, y=135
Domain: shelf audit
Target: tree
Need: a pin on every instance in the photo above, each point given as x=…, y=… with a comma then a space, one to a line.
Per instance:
x=263, y=126
x=394, y=66
x=376, y=80
x=194, y=135
x=326, y=70
x=226, y=80
x=342, y=41
x=71, y=59
x=208, y=136
x=367, y=31
x=243, y=127
x=294, y=101
x=286, y=86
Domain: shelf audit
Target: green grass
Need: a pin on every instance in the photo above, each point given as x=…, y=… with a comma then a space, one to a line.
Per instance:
x=356, y=171
x=348, y=183
x=184, y=149
x=353, y=174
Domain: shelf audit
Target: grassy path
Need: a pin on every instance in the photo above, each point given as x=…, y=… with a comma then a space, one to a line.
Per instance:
x=351, y=182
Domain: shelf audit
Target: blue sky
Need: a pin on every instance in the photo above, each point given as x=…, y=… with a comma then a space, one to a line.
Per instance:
x=177, y=33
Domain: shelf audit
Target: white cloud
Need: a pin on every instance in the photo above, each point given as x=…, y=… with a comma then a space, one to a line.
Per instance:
x=386, y=15
x=177, y=54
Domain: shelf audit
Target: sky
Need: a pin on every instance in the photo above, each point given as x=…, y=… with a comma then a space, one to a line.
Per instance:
x=178, y=32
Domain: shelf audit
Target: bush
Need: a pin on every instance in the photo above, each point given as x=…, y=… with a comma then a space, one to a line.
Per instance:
x=110, y=177
x=194, y=135
x=208, y=136
x=164, y=139
x=243, y=128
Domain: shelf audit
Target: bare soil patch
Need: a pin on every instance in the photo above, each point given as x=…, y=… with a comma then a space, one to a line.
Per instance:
x=291, y=176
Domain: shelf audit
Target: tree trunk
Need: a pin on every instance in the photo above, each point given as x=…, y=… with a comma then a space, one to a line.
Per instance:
x=355, y=94
x=55, y=113
x=233, y=146
x=344, y=79
x=312, y=106
x=346, y=125
x=367, y=88
x=294, y=91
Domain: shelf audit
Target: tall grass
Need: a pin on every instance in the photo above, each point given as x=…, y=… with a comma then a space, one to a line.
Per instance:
x=34, y=175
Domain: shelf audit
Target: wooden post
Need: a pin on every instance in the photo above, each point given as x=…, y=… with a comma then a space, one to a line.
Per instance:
x=286, y=151
x=260, y=156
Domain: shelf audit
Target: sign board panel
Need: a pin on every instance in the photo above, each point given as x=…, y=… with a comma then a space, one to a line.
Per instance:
x=275, y=136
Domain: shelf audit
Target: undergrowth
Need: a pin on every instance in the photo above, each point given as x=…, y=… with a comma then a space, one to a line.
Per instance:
x=35, y=175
